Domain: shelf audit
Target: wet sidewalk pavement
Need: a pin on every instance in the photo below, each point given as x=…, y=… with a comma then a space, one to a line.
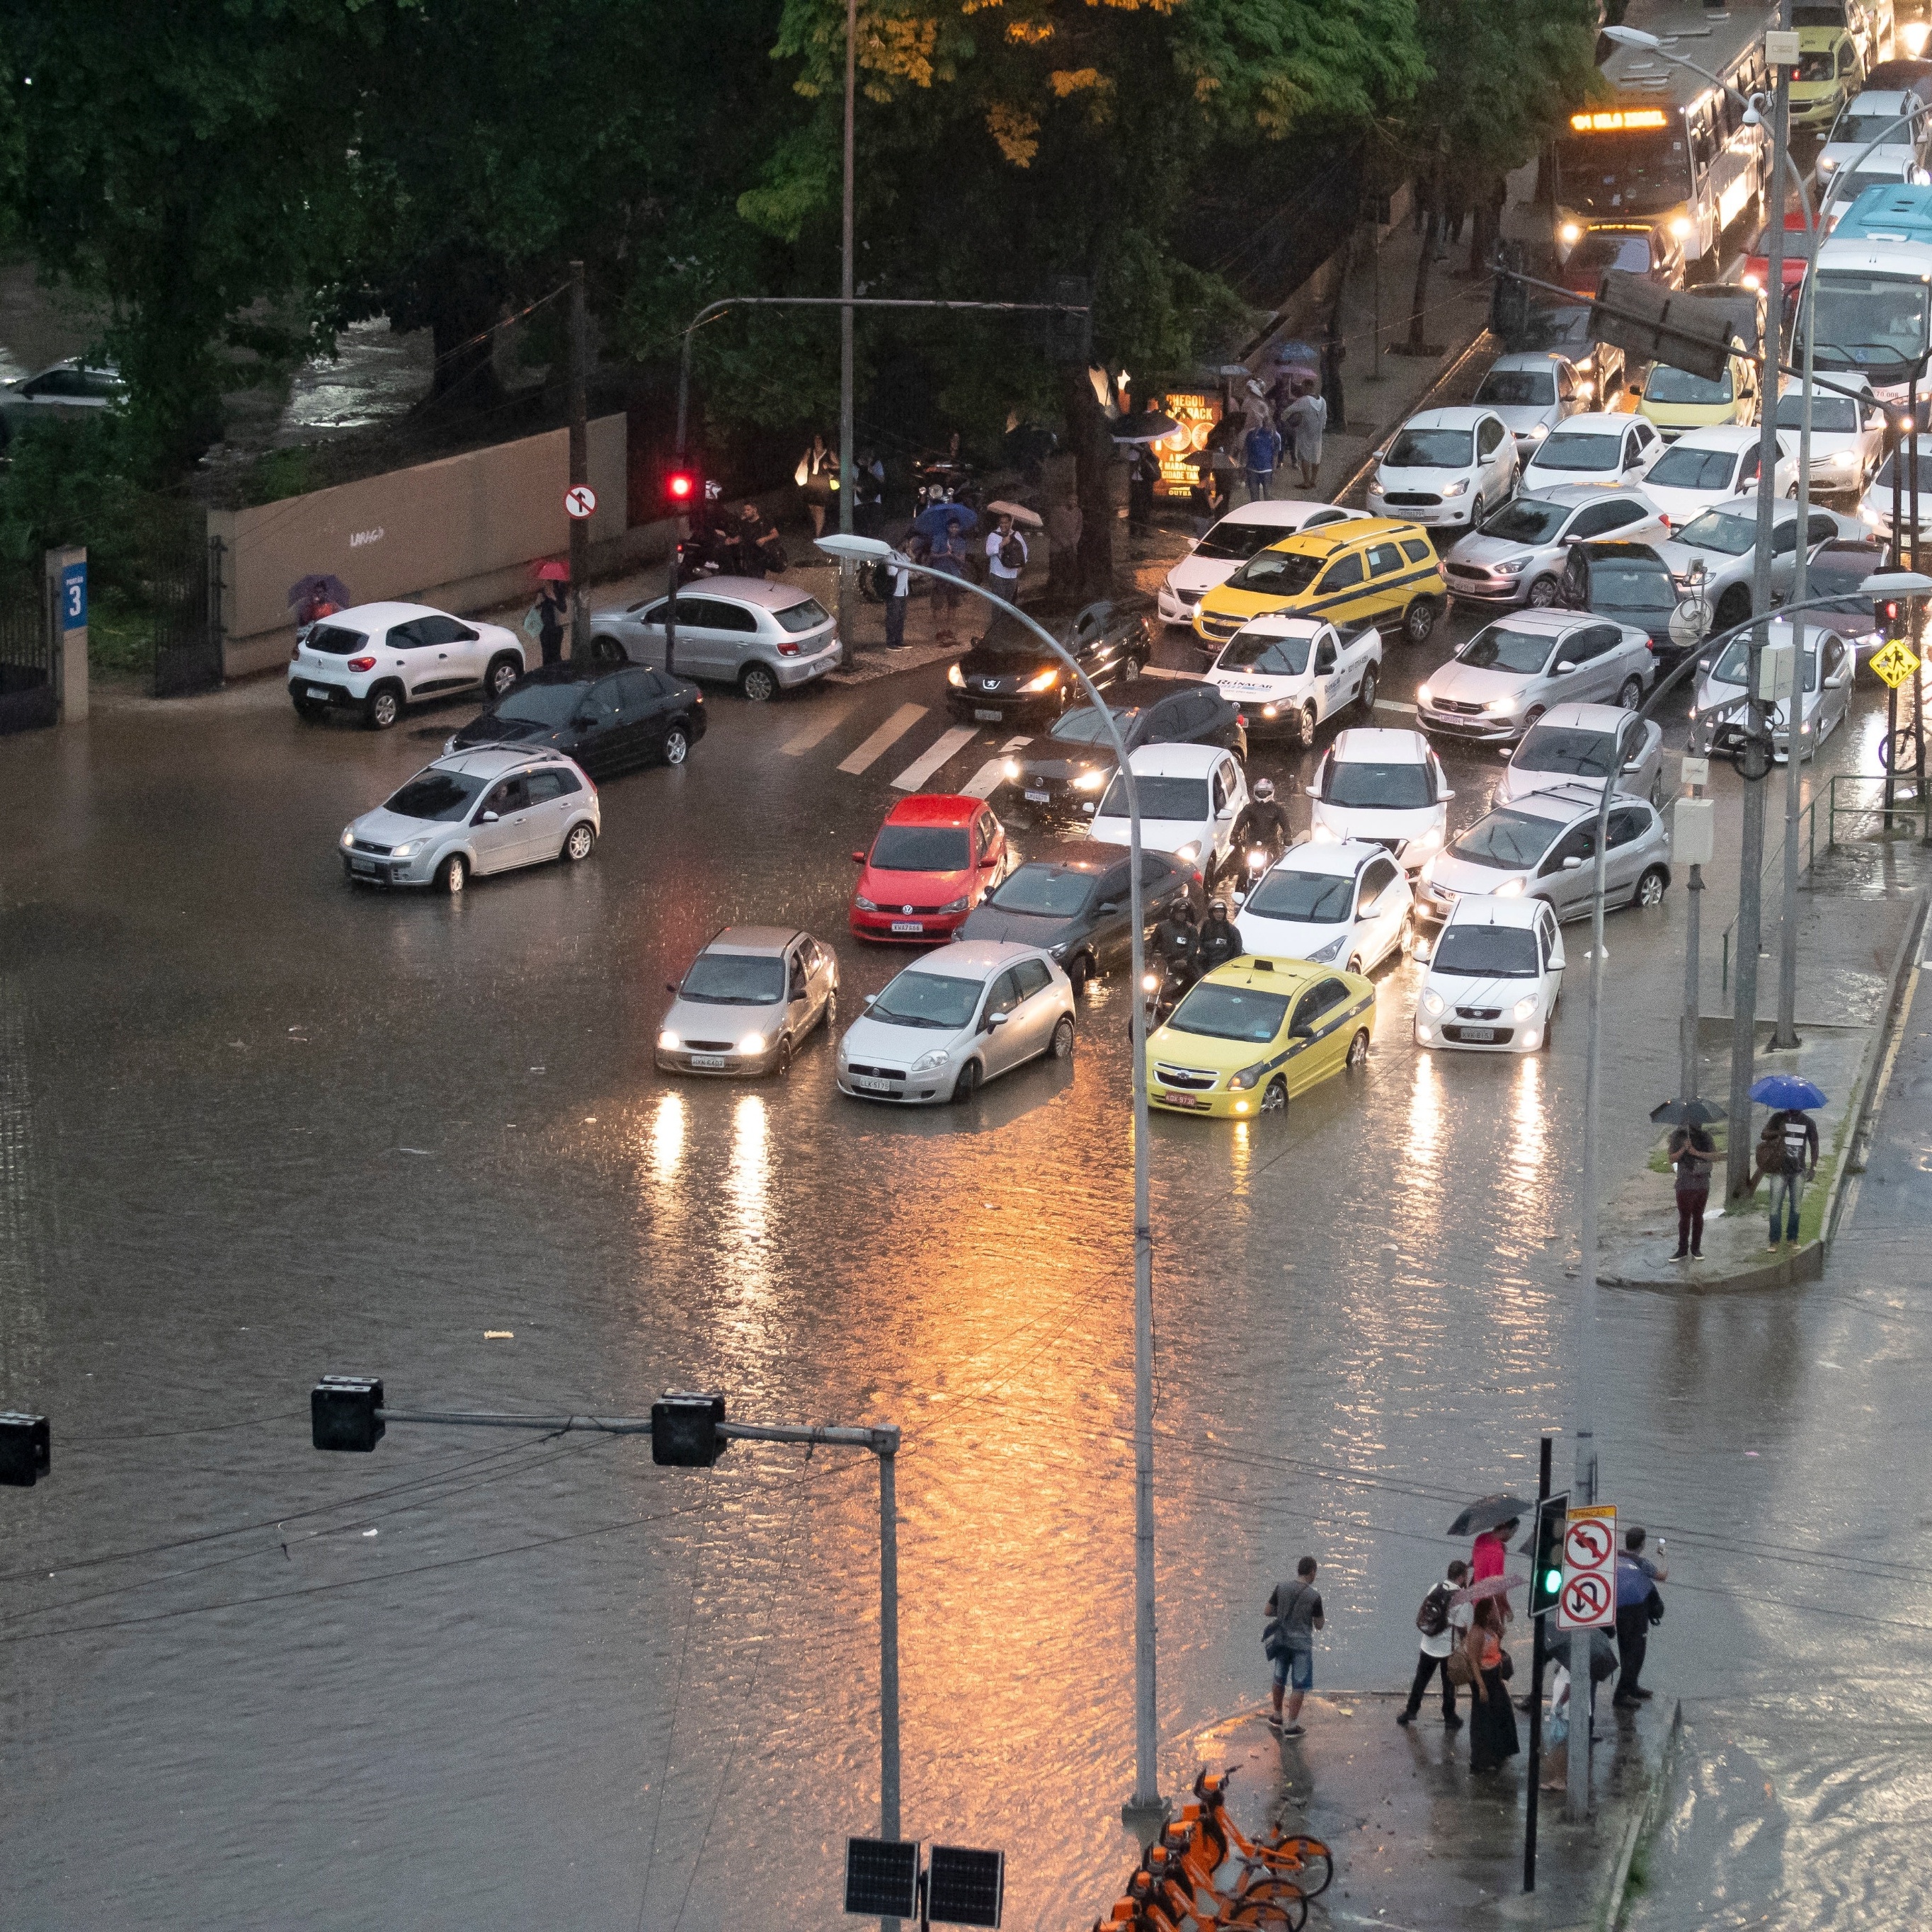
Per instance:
x=1421, y=1845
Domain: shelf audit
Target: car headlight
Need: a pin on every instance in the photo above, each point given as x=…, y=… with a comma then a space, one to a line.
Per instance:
x=1456, y=488
x=1269, y=710
x=1422, y=694
x=930, y=1063
x=1012, y=768
x=1432, y=1002
x=1089, y=781
x=861, y=904
x=1515, y=565
x=1827, y=164
x=1523, y=1009
x=955, y=676
x=1433, y=836
x=348, y=837
x=1844, y=459
x=1330, y=952
x=1377, y=488
x=954, y=905
x=1428, y=871
x=1243, y=1081
x=668, y=1041
x=1538, y=431
x=1571, y=231
x=1509, y=889
x=1046, y=680
x=1500, y=707
x=752, y=1042
x=1188, y=853
x=408, y=850
x=1680, y=227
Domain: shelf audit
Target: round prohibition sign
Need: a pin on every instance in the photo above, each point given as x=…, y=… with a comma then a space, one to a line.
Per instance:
x=1586, y=1545
x=1585, y=1598
x=580, y=500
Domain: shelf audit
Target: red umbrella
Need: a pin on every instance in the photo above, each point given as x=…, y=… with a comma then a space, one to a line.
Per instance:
x=553, y=573
x=1490, y=1586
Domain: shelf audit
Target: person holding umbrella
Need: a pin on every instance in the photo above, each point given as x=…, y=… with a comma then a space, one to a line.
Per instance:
x=1787, y=1149
x=552, y=600
x=1691, y=1150
x=312, y=598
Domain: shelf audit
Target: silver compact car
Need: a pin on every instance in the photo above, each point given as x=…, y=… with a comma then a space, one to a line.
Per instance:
x=1532, y=392
x=1518, y=556
x=1573, y=744
x=763, y=637
x=748, y=1002
x=1829, y=661
x=474, y=812
x=965, y=1014
x=1512, y=671
x=1723, y=540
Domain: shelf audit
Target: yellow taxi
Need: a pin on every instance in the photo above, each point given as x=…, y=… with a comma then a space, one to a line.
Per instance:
x=1829, y=71
x=1675, y=400
x=1376, y=568
x=1253, y=1033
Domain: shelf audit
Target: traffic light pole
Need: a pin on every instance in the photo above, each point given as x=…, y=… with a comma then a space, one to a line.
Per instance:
x=580, y=465
x=1535, y=1684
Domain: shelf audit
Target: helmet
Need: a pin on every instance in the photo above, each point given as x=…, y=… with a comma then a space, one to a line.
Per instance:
x=1264, y=790
x=1218, y=905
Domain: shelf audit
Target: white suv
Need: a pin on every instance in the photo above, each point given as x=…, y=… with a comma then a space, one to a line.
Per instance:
x=380, y=658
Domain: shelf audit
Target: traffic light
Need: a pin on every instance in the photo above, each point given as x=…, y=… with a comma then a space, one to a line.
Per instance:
x=684, y=489
x=684, y=1429
x=342, y=1413
x=1546, y=1570
x=1889, y=613
x=26, y=1453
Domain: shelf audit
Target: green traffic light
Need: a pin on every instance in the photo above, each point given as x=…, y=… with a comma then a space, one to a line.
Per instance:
x=1552, y=1581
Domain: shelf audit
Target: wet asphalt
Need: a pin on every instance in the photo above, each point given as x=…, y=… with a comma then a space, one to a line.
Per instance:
x=256, y=1126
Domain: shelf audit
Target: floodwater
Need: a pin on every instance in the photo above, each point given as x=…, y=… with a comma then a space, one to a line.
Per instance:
x=255, y=1127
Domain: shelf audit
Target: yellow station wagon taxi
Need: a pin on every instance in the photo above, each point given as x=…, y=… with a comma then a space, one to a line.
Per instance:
x=1253, y=1033
x=1378, y=568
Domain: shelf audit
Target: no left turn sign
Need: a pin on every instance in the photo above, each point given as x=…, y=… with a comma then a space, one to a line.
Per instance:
x=1587, y=1545
x=1589, y=1598
x=580, y=501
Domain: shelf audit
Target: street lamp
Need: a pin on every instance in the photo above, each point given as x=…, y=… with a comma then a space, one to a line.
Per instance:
x=1146, y=1801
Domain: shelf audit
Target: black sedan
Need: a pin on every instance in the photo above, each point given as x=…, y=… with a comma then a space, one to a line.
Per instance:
x=1072, y=900
x=608, y=720
x=1631, y=583
x=1076, y=758
x=1009, y=673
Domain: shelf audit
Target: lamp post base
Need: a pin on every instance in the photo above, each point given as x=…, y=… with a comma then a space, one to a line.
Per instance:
x=1146, y=1816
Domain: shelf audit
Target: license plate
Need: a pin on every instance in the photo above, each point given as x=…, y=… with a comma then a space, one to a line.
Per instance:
x=907, y=925
x=1180, y=1100
x=988, y=717
x=708, y=1060
x=1479, y=1036
x=318, y=690
x=871, y=1085
x=1040, y=798
x=367, y=867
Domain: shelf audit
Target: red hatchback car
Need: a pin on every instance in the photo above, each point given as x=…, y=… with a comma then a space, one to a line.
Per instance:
x=938, y=855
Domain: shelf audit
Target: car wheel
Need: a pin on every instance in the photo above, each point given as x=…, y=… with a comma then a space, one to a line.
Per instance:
x=605, y=650
x=677, y=746
x=1366, y=696
x=1630, y=693
x=383, y=707
x=1355, y=964
x=1274, y=1096
x=504, y=673
x=1060, y=1047
x=453, y=874
x=1358, y=1051
x=309, y=711
x=1309, y=719
x=1079, y=971
x=782, y=1064
x=1649, y=888
x=968, y=1083
x=1733, y=608
x=758, y=684
x=1419, y=619
x=579, y=842
x=1542, y=593
x=1476, y=514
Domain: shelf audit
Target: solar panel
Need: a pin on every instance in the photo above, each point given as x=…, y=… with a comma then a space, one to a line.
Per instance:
x=964, y=1887
x=882, y=1878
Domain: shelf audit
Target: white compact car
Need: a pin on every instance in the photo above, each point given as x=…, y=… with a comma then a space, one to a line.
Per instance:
x=1216, y=556
x=1190, y=796
x=1607, y=450
x=487, y=811
x=965, y=1014
x=1446, y=468
x=1290, y=675
x=378, y=658
x=1898, y=122
x=1847, y=432
x=1386, y=787
x=1573, y=744
x=1828, y=663
x=1875, y=508
x=1344, y=905
x=1533, y=392
x=1705, y=466
x=1518, y=556
x=748, y=1002
x=1493, y=983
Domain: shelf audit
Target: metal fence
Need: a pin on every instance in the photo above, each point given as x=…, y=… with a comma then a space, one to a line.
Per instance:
x=186, y=587
x=27, y=696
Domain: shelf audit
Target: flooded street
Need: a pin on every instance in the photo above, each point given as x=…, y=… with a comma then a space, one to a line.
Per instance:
x=255, y=1126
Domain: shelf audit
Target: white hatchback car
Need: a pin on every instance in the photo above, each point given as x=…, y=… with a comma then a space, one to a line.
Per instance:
x=1607, y=450
x=965, y=1014
x=1494, y=981
x=1384, y=785
x=1705, y=466
x=1217, y=556
x=378, y=658
x=1847, y=432
x=487, y=811
x=1190, y=796
x=1532, y=392
x=1446, y=468
x=1345, y=905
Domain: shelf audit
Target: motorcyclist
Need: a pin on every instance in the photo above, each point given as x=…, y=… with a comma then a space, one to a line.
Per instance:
x=1262, y=822
x=1220, y=938
x=1176, y=944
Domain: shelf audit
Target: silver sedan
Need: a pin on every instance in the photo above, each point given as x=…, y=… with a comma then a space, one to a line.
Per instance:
x=1518, y=556
x=1512, y=671
x=747, y=1001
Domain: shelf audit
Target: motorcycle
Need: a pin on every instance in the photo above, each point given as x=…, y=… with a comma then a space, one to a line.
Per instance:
x=1163, y=986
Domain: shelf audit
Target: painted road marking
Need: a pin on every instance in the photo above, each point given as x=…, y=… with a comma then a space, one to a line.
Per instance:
x=992, y=774
x=895, y=727
x=1381, y=704
x=830, y=719
x=921, y=769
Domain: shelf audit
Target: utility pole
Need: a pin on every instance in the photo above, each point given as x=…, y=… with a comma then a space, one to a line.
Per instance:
x=580, y=465
x=848, y=471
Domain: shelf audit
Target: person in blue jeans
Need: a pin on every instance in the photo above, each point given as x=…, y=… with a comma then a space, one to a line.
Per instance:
x=1262, y=450
x=1787, y=1151
x=1295, y=1615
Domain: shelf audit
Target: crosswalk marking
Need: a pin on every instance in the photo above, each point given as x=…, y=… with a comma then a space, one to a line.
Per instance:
x=828, y=720
x=1390, y=704
x=992, y=774
x=923, y=767
x=895, y=727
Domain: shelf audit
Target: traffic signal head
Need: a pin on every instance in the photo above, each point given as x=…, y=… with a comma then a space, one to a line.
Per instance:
x=1886, y=611
x=26, y=1455
x=684, y=1429
x=683, y=490
x=342, y=1413
x=1546, y=1569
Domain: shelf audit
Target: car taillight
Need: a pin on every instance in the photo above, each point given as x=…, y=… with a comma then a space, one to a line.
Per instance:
x=295, y=652
x=788, y=649
x=1241, y=719
x=362, y=664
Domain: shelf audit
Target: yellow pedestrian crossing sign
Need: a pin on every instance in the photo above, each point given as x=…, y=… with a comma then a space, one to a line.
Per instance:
x=1894, y=662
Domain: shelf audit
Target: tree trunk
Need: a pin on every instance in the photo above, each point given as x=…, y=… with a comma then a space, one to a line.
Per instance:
x=1430, y=193
x=1092, y=451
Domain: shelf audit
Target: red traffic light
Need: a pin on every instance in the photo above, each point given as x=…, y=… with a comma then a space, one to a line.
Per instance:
x=682, y=486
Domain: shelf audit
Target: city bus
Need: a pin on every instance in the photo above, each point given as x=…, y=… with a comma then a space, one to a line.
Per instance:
x=1872, y=303
x=1670, y=147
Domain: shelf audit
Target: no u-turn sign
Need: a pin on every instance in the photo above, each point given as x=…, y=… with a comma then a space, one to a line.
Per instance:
x=1588, y=1600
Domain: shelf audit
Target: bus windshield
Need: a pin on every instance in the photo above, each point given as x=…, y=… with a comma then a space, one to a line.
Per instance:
x=1875, y=323
x=1631, y=172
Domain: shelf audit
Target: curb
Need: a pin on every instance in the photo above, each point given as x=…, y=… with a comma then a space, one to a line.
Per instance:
x=1641, y=1827
x=1388, y=436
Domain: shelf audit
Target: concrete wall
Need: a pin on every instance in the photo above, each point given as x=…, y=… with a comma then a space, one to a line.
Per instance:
x=461, y=533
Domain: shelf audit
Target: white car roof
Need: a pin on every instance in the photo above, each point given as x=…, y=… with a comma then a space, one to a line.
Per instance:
x=1593, y=419
x=1176, y=761
x=1894, y=106
x=973, y=959
x=737, y=589
x=1551, y=623
x=380, y=617
x=1462, y=417
x=1380, y=745
x=1584, y=717
x=1283, y=514
x=1345, y=858
x=1282, y=624
x=1528, y=358
x=1574, y=495
x=1726, y=435
x=1486, y=909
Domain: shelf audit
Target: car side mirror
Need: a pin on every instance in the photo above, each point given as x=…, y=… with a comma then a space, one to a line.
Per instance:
x=996, y=1020
x=1301, y=1030
x=1564, y=668
x=858, y=858
x=1634, y=765
x=1573, y=864
x=487, y=818
x=671, y=986
x=1443, y=797
x=1108, y=907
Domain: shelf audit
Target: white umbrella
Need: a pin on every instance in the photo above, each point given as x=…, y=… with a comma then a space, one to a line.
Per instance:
x=1020, y=513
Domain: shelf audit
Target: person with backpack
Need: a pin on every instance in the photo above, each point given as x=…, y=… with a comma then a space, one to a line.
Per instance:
x=1261, y=449
x=1295, y=1615
x=1443, y=1625
x=1787, y=1151
x=1006, y=558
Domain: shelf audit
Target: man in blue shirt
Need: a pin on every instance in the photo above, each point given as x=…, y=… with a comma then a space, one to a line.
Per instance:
x=1636, y=1575
x=1261, y=449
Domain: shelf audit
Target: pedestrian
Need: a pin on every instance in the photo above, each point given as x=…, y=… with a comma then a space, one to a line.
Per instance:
x=1787, y=1151
x=1261, y=449
x=1220, y=937
x=899, y=590
x=760, y=550
x=1638, y=1607
x=816, y=476
x=1310, y=415
x=1143, y=473
x=1295, y=1611
x=552, y=601
x=1334, y=352
x=948, y=559
x=1443, y=1625
x=1692, y=1150
x=1211, y=495
x=1006, y=556
x=1490, y=1555
x=1492, y=1736
x=1556, y=1731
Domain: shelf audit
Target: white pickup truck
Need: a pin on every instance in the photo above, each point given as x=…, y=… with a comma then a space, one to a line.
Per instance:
x=1290, y=675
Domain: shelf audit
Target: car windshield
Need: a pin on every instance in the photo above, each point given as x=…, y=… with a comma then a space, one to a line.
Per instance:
x=1378, y=787
x=1690, y=468
x=1431, y=449
x=937, y=1000
x=1048, y=891
x=1719, y=530
x=1563, y=747
x=1182, y=799
x=1839, y=414
x=734, y=980
x=1861, y=130
x=542, y=703
x=1893, y=466
x=1234, y=540
x=1873, y=322
x=804, y=615
x=1500, y=648
x=1528, y=520
x=1509, y=841
x=1616, y=585
x=1839, y=572
x=1581, y=449
x=336, y=639
x=1280, y=573
x=1486, y=952
x=1084, y=726
x=1667, y=385
x=1518, y=389
x=1231, y=1013
x=920, y=848
x=436, y=795
x=1314, y=899
x=1734, y=667
x=1278, y=657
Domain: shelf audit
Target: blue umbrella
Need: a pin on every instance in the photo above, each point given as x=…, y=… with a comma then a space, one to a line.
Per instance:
x=932, y=520
x=1786, y=1089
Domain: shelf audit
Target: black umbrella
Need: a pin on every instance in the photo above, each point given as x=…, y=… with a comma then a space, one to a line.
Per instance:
x=314, y=589
x=1149, y=426
x=1486, y=1513
x=1688, y=1114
